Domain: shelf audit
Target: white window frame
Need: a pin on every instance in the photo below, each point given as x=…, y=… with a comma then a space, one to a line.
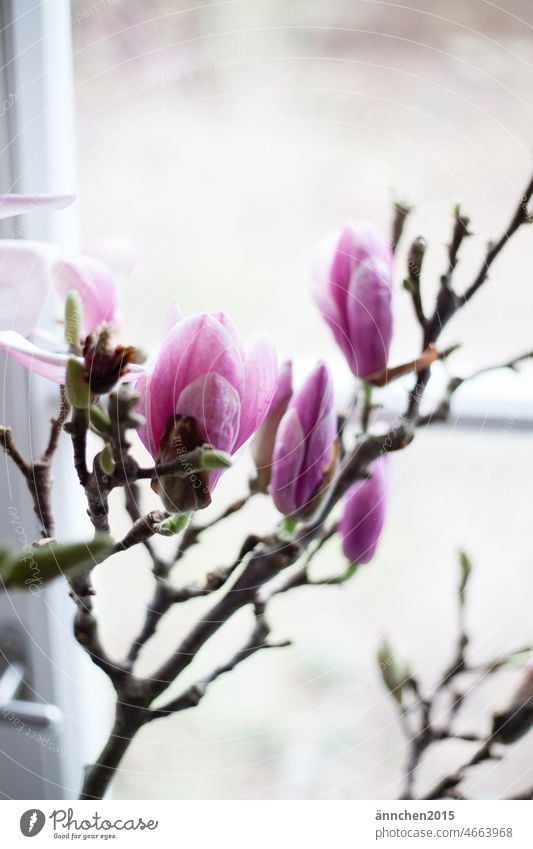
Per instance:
x=37, y=144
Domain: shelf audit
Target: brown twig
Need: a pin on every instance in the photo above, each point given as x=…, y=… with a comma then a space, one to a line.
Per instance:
x=411, y=283
x=442, y=411
x=449, y=302
x=401, y=212
x=37, y=474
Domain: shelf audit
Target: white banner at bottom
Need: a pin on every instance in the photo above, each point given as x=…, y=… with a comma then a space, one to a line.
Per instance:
x=268, y=824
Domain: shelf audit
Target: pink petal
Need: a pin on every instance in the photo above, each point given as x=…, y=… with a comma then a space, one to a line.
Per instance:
x=264, y=439
x=142, y=388
x=174, y=315
x=45, y=363
x=364, y=514
x=215, y=405
x=260, y=380
x=193, y=348
x=314, y=399
x=283, y=385
x=18, y=204
x=321, y=291
x=25, y=282
x=96, y=284
x=229, y=325
x=289, y=456
x=369, y=315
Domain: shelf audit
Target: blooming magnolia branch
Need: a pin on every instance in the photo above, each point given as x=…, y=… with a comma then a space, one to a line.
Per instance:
x=201, y=398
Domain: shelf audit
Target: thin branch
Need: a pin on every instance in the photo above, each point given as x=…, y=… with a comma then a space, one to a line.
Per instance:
x=193, y=532
x=449, y=302
x=423, y=361
x=8, y=445
x=132, y=500
x=401, y=212
x=86, y=628
x=442, y=411
x=141, y=530
x=521, y=216
x=460, y=232
x=183, y=465
x=443, y=787
x=57, y=425
x=411, y=283
x=166, y=595
x=257, y=641
x=38, y=473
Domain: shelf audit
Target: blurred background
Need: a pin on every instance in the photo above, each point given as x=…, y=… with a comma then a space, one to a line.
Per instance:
x=227, y=139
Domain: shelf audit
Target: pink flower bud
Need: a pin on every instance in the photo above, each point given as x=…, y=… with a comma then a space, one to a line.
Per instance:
x=263, y=442
x=204, y=387
x=305, y=446
x=353, y=289
x=364, y=514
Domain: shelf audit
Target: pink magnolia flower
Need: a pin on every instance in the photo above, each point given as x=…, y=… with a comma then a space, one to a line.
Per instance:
x=353, y=289
x=364, y=514
x=28, y=273
x=25, y=276
x=97, y=280
x=25, y=282
x=305, y=446
x=263, y=442
x=204, y=386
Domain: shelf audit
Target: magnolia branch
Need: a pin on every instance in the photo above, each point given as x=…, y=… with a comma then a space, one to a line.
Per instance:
x=449, y=302
x=249, y=580
x=442, y=411
x=37, y=473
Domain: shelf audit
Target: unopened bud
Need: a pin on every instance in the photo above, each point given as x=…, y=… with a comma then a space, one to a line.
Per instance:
x=99, y=419
x=76, y=386
x=213, y=460
x=174, y=524
x=73, y=318
x=47, y=561
x=107, y=461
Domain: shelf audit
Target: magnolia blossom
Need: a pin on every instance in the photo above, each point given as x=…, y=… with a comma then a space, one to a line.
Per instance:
x=29, y=271
x=364, y=514
x=305, y=447
x=97, y=284
x=263, y=442
x=353, y=289
x=204, y=386
x=25, y=266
